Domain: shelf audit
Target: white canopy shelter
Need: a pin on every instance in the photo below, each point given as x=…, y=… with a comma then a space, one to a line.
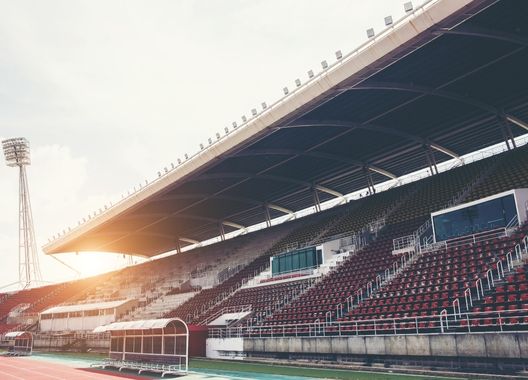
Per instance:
x=158, y=342
x=19, y=342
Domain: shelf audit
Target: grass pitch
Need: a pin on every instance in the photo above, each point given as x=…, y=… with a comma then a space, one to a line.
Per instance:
x=239, y=366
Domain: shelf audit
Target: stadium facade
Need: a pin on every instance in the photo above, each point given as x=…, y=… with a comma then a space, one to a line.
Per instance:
x=429, y=273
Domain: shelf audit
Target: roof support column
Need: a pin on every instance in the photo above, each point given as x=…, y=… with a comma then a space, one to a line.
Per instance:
x=432, y=159
x=431, y=163
x=516, y=121
x=507, y=133
x=267, y=215
x=317, y=201
x=370, y=182
x=178, y=245
x=222, y=231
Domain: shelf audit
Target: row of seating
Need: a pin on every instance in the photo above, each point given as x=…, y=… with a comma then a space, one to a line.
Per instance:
x=437, y=278
x=198, y=308
x=335, y=289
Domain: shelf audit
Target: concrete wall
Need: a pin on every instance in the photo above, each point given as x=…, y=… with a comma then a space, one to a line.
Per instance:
x=225, y=348
x=482, y=345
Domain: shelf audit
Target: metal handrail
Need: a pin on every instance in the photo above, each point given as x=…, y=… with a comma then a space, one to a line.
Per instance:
x=444, y=323
x=489, y=278
x=468, y=296
x=456, y=306
x=444, y=316
x=480, y=288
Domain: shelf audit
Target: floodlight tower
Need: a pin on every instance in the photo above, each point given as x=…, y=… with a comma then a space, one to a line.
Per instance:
x=16, y=152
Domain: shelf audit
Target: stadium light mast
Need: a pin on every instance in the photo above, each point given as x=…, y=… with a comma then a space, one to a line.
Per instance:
x=17, y=154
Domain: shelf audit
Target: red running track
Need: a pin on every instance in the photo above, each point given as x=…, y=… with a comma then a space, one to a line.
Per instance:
x=27, y=369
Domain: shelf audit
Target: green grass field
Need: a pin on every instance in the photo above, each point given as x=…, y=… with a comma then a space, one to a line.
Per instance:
x=237, y=366
x=238, y=369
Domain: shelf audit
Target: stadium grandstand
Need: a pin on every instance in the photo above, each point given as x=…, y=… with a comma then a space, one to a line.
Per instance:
x=375, y=215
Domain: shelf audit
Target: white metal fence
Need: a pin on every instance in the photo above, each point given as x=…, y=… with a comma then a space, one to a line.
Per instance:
x=443, y=323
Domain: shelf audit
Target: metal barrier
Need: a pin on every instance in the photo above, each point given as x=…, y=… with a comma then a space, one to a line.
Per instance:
x=468, y=296
x=480, y=289
x=443, y=323
x=444, y=317
x=456, y=309
x=491, y=283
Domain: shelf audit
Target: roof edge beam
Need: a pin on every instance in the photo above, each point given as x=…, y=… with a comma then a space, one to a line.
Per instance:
x=188, y=240
x=518, y=122
x=382, y=172
x=444, y=150
x=233, y=224
x=280, y=209
x=424, y=90
x=324, y=189
x=355, y=125
x=484, y=33
x=192, y=196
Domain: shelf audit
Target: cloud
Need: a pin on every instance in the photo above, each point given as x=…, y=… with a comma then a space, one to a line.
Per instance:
x=110, y=92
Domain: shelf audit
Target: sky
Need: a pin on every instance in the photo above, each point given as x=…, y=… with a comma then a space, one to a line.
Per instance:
x=109, y=92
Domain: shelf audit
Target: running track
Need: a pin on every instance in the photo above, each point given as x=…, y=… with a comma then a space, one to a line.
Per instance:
x=24, y=369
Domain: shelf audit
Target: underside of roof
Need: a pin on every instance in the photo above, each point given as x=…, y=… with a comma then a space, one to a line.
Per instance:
x=447, y=81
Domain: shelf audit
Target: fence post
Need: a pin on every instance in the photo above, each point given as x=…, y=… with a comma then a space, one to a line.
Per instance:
x=500, y=270
x=509, y=260
x=442, y=314
x=466, y=292
x=518, y=252
x=456, y=303
x=489, y=277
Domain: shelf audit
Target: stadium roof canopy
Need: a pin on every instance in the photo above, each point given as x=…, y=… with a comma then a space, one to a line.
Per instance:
x=443, y=82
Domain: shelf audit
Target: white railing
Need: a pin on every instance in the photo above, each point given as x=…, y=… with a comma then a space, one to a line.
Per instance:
x=404, y=242
x=412, y=242
x=287, y=299
x=477, y=237
x=495, y=274
x=373, y=286
x=443, y=323
x=457, y=321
